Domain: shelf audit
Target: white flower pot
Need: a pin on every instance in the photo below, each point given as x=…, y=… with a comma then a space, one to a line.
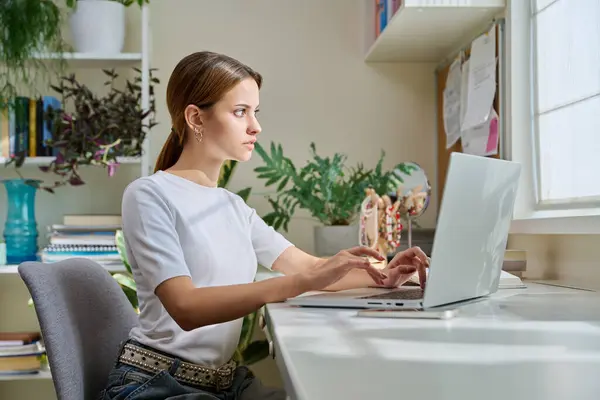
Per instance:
x=329, y=240
x=98, y=26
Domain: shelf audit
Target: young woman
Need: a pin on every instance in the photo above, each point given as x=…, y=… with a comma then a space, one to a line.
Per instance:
x=194, y=248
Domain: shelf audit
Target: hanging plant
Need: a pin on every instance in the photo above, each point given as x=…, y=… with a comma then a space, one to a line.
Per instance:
x=29, y=27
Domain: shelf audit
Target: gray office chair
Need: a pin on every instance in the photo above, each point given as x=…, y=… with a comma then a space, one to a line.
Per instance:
x=84, y=316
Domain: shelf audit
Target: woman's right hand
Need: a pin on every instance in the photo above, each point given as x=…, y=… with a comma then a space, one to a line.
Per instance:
x=336, y=267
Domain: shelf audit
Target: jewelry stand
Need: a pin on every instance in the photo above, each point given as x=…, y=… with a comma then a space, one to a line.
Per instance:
x=380, y=225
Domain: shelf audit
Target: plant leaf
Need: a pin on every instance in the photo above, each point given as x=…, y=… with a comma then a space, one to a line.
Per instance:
x=256, y=351
x=120, y=243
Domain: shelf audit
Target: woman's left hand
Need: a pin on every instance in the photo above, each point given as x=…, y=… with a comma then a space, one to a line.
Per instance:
x=403, y=266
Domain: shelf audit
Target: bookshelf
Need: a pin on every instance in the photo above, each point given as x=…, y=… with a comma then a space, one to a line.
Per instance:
x=426, y=30
x=12, y=286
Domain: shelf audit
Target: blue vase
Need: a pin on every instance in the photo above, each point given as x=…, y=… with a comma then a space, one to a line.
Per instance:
x=20, y=229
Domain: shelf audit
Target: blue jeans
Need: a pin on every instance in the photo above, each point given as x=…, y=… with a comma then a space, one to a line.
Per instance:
x=126, y=382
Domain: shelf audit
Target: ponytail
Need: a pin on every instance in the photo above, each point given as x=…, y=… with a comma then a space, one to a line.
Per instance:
x=170, y=152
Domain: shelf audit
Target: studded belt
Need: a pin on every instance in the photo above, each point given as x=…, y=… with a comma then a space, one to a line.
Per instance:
x=186, y=373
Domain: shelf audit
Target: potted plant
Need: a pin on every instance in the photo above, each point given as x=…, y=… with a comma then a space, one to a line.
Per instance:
x=29, y=27
x=98, y=26
x=327, y=189
x=248, y=351
x=100, y=129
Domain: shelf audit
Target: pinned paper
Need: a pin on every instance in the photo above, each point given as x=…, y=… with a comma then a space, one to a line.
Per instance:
x=492, y=143
x=481, y=80
x=482, y=140
x=452, y=100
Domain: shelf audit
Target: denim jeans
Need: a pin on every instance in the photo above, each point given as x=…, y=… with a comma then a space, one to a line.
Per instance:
x=127, y=382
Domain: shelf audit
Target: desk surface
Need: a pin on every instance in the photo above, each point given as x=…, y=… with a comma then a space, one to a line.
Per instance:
x=542, y=342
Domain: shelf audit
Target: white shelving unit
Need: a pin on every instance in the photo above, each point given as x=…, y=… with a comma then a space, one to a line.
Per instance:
x=40, y=161
x=428, y=30
x=140, y=60
x=40, y=375
x=92, y=60
x=12, y=269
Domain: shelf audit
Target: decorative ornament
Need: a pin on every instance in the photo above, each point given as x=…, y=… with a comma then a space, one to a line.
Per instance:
x=368, y=230
x=380, y=223
x=393, y=226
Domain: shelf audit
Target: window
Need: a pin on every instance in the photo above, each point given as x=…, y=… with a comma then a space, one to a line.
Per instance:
x=566, y=100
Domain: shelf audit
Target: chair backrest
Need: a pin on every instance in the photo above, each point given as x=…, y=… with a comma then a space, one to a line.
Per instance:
x=84, y=316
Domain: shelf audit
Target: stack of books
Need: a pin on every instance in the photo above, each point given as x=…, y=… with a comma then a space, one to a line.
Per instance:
x=21, y=353
x=384, y=11
x=88, y=236
x=25, y=127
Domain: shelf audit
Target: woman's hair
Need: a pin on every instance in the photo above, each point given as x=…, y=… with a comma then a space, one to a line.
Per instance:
x=201, y=79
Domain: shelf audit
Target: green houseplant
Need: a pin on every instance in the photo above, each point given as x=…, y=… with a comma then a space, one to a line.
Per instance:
x=248, y=351
x=325, y=187
x=29, y=27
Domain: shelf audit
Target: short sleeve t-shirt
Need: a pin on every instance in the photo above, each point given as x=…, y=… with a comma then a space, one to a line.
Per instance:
x=175, y=227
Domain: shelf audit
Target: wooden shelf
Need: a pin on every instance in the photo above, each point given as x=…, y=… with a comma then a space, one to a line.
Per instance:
x=47, y=160
x=93, y=60
x=428, y=31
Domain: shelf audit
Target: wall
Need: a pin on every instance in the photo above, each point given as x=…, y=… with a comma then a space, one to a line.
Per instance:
x=316, y=84
x=565, y=259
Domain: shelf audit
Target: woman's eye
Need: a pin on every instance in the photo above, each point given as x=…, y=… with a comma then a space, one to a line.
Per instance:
x=240, y=112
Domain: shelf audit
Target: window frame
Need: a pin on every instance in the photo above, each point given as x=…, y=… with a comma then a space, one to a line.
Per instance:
x=531, y=216
x=559, y=204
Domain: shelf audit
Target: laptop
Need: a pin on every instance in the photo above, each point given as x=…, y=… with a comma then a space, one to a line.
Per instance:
x=469, y=243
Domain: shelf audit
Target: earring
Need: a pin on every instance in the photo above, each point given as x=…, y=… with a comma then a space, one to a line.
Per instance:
x=198, y=134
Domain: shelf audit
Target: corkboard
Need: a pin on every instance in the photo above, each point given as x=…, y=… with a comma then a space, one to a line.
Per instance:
x=443, y=154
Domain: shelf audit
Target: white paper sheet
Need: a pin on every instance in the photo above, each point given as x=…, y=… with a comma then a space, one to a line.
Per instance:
x=482, y=140
x=482, y=80
x=452, y=102
x=464, y=91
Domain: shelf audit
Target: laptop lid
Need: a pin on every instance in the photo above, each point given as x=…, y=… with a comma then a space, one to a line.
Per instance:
x=472, y=229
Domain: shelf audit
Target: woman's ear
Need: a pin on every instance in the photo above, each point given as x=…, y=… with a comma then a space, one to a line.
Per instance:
x=193, y=117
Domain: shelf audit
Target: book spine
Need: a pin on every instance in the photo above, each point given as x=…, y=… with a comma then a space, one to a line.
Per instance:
x=32, y=128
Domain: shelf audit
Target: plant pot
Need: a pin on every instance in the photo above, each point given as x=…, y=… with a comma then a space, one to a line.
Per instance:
x=20, y=228
x=329, y=240
x=98, y=26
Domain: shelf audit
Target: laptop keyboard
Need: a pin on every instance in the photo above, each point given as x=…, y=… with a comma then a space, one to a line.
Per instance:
x=398, y=295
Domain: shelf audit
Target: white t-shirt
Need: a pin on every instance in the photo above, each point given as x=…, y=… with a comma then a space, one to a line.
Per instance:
x=175, y=227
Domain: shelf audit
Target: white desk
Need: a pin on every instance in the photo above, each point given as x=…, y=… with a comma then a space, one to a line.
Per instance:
x=542, y=343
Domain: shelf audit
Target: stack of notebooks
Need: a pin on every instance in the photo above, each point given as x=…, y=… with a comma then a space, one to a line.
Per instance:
x=88, y=236
x=21, y=353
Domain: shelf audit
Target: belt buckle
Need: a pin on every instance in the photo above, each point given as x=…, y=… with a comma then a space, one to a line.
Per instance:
x=221, y=374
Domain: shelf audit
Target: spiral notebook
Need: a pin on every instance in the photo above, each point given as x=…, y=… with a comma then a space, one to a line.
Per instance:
x=58, y=252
